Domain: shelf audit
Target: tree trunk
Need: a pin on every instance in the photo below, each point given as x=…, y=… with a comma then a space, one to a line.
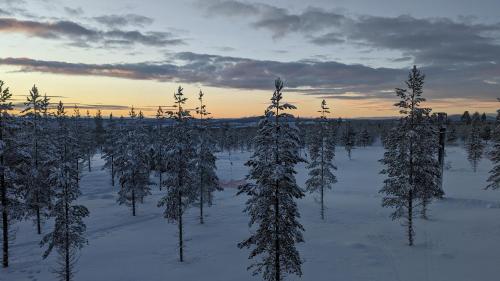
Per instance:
x=201, y=198
x=38, y=219
x=410, y=217
x=5, y=222
x=112, y=171
x=181, y=246
x=133, y=202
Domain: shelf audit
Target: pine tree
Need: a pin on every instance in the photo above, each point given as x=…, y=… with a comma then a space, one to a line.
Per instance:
x=112, y=134
x=67, y=237
x=179, y=177
x=12, y=158
x=452, y=137
x=134, y=164
x=273, y=191
x=364, y=138
x=37, y=194
x=322, y=153
x=466, y=119
x=410, y=159
x=349, y=139
x=159, y=145
x=89, y=141
x=207, y=179
x=474, y=145
x=99, y=129
x=494, y=178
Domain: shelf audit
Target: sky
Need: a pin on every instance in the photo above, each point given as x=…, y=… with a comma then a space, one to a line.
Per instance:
x=113, y=54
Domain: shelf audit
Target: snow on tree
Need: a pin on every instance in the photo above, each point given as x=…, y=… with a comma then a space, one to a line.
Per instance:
x=12, y=158
x=452, y=136
x=159, y=146
x=474, y=145
x=272, y=192
x=37, y=193
x=180, y=176
x=349, y=139
x=322, y=154
x=134, y=163
x=364, y=138
x=207, y=179
x=494, y=178
x=68, y=234
x=410, y=160
x=99, y=132
x=88, y=141
x=109, y=149
x=466, y=119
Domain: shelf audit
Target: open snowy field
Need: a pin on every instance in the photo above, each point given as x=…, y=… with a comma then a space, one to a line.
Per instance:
x=357, y=241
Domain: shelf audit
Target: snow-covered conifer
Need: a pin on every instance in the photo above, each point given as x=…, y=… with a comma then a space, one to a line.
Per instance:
x=68, y=234
x=474, y=144
x=349, y=138
x=322, y=153
x=180, y=176
x=109, y=149
x=410, y=160
x=207, y=179
x=272, y=192
x=494, y=178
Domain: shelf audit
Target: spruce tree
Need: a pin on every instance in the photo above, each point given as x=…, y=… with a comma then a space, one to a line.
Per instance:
x=349, y=139
x=180, y=183
x=99, y=132
x=37, y=193
x=67, y=236
x=207, y=179
x=322, y=154
x=134, y=164
x=12, y=159
x=159, y=145
x=494, y=178
x=272, y=191
x=474, y=145
x=410, y=160
x=112, y=135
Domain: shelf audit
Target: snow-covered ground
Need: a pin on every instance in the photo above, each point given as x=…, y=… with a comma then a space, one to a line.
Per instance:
x=357, y=241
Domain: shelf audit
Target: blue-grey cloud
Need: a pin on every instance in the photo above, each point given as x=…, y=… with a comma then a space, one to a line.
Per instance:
x=114, y=21
x=80, y=35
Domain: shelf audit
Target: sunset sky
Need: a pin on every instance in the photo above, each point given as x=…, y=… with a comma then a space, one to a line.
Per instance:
x=116, y=53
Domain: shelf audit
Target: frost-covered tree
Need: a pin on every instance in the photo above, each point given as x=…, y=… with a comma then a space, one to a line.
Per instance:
x=180, y=176
x=272, y=191
x=88, y=141
x=364, y=138
x=349, y=139
x=466, y=119
x=207, y=179
x=37, y=193
x=134, y=163
x=12, y=158
x=109, y=149
x=410, y=160
x=322, y=153
x=68, y=234
x=99, y=132
x=159, y=145
x=474, y=145
x=494, y=178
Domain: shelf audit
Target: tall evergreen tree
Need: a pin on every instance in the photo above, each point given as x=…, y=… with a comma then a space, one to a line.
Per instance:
x=134, y=164
x=180, y=175
x=207, y=179
x=349, y=139
x=159, y=145
x=37, y=193
x=322, y=153
x=474, y=145
x=89, y=141
x=272, y=192
x=99, y=132
x=12, y=159
x=410, y=160
x=112, y=134
x=466, y=119
x=67, y=237
x=494, y=178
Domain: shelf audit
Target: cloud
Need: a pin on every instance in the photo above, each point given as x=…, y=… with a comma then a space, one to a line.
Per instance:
x=78, y=35
x=113, y=21
x=428, y=41
x=311, y=77
x=73, y=11
x=229, y=8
